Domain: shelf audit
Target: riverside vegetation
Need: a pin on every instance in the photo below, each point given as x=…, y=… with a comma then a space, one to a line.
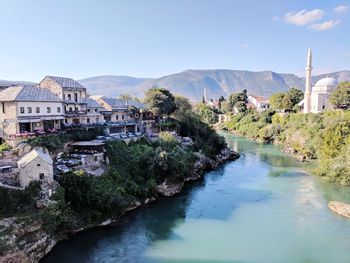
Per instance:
x=323, y=137
x=135, y=170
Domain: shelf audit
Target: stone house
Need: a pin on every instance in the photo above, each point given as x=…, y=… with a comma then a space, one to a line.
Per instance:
x=94, y=115
x=260, y=103
x=118, y=115
x=73, y=95
x=26, y=109
x=36, y=165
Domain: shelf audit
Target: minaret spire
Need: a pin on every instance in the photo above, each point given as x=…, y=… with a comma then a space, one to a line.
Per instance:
x=308, y=69
x=205, y=99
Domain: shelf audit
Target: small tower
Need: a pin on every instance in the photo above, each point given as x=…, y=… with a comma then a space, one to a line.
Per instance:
x=205, y=99
x=307, y=95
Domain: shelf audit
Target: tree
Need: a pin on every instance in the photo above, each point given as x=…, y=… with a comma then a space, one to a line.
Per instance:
x=183, y=107
x=161, y=101
x=340, y=97
x=287, y=103
x=125, y=96
x=276, y=101
x=296, y=95
x=206, y=114
x=233, y=99
x=241, y=106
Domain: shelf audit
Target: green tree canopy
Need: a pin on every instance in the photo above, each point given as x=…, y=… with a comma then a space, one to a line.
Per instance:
x=241, y=106
x=287, y=103
x=232, y=99
x=206, y=113
x=161, y=101
x=125, y=96
x=340, y=97
x=183, y=107
x=296, y=95
x=276, y=101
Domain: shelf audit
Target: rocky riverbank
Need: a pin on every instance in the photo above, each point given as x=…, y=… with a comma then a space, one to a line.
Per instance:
x=340, y=208
x=22, y=240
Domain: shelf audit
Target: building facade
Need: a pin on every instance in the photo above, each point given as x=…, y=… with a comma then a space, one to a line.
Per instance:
x=29, y=109
x=36, y=165
x=73, y=95
x=259, y=102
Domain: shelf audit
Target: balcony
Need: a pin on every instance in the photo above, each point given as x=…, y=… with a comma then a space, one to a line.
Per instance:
x=76, y=112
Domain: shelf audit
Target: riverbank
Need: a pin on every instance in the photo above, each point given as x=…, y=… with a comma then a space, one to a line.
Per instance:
x=24, y=239
x=259, y=208
x=322, y=138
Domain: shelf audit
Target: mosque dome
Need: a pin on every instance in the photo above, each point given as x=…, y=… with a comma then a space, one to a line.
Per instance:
x=325, y=84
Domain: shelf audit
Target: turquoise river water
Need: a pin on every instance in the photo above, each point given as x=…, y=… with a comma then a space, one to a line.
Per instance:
x=260, y=208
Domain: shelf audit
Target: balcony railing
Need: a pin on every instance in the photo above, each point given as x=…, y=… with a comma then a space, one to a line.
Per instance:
x=76, y=112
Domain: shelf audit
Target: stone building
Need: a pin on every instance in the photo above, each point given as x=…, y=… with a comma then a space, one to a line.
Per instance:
x=36, y=165
x=73, y=95
x=119, y=115
x=26, y=109
x=260, y=103
x=93, y=115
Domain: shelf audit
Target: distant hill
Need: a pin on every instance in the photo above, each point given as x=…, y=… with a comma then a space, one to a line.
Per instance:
x=112, y=85
x=343, y=75
x=191, y=83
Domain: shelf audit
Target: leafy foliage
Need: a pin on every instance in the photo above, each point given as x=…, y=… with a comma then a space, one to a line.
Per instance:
x=161, y=101
x=340, y=97
x=206, y=113
x=324, y=137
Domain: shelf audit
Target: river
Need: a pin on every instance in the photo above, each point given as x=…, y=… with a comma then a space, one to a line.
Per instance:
x=262, y=207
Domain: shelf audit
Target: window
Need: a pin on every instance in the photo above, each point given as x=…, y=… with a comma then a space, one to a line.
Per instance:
x=29, y=109
x=96, y=110
x=37, y=110
x=117, y=117
x=76, y=97
x=58, y=109
x=88, y=120
x=48, y=109
x=21, y=110
x=122, y=117
x=69, y=97
x=38, y=164
x=41, y=176
x=65, y=121
x=70, y=109
x=3, y=107
x=88, y=110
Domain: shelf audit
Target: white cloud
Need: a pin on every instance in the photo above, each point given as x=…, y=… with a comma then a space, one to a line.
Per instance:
x=341, y=9
x=244, y=45
x=303, y=17
x=325, y=25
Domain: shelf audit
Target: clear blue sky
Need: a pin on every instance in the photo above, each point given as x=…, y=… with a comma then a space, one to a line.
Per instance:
x=152, y=38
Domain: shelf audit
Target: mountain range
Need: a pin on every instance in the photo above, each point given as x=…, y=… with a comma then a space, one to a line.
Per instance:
x=191, y=83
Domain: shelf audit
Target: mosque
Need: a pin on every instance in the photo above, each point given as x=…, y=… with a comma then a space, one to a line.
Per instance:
x=316, y=99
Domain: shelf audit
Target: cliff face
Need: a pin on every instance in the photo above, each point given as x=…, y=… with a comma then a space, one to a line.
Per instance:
x=23, y=240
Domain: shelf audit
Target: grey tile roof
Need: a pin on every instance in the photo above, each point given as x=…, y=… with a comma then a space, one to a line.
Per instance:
x=28, y=93
x=92, y=103
x=124, y=104
x=66, y=82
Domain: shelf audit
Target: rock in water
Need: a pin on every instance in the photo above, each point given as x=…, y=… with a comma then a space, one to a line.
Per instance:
x=340, y=208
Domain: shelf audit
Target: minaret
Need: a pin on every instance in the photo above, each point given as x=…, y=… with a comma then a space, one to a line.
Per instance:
x=205, y=99
x=307, y=96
